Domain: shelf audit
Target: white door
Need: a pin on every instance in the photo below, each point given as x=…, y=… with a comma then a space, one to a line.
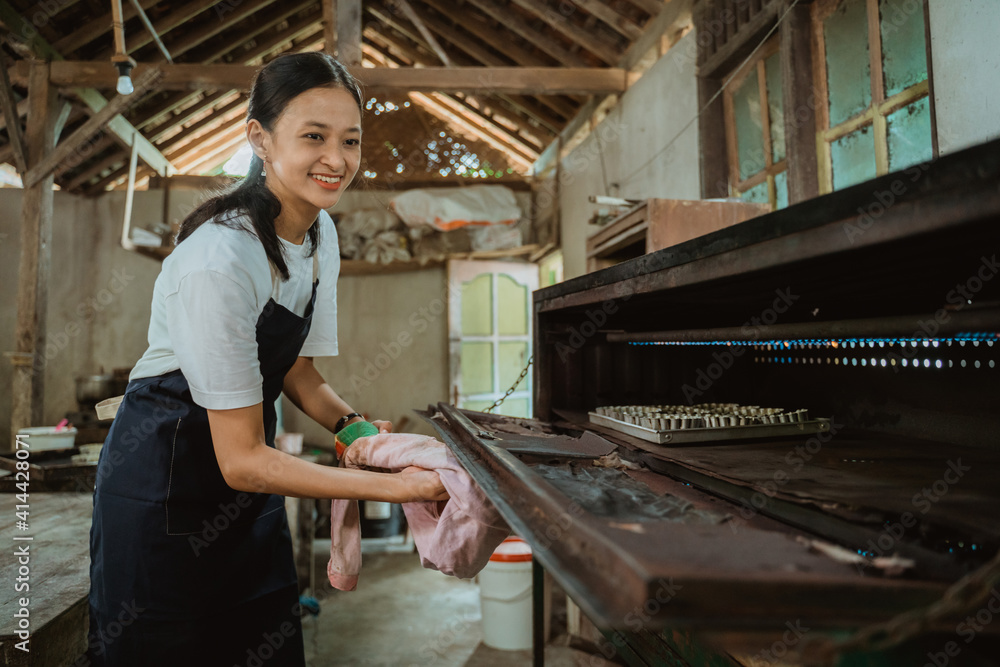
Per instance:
x=489, y=325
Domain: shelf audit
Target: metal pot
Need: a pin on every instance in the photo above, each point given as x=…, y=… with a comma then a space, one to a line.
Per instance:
x=90, y=389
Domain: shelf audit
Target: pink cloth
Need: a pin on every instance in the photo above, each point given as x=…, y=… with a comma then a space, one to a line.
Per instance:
x=457, y=540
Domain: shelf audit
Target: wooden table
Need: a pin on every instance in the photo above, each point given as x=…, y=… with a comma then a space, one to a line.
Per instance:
x=59, y=578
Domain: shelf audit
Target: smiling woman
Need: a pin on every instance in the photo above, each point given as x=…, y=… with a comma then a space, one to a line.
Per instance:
x=189, y=526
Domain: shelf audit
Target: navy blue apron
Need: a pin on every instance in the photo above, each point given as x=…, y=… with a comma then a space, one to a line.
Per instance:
x=184, y=569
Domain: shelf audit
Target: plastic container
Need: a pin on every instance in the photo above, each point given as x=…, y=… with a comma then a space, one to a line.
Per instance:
x=41, y=438
x=505, y=596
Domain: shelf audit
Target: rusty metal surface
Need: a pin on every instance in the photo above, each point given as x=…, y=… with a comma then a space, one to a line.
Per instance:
x=717, y=575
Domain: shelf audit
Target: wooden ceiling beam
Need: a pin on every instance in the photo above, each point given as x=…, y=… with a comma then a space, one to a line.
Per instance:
x=95, y=169
x=620, y=24
x=489, y=124
x=95, y=148
x=205, y=124
x=197, y=37
x=12, y=116
x=651, y=7
x=349, y=22
x=473, y=80
x=472, y=128
x=264, y=22
x=84, y=133
x=386, y=17
x=528, y=109
x=479, y=30
x=141, y=38
x=302, y=26
x=95, y=28
x=473, y=114
x=146, y=117
x=514, y=23
x=418, y=21
x=215, y=151
x=189, y=113
x=22, y=110
x=125, y=133
x=588, y=40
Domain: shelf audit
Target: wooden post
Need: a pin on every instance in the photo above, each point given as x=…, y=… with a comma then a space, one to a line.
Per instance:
x=330, y=26
x=349, y=31
x=36, y=252
x=800, y=99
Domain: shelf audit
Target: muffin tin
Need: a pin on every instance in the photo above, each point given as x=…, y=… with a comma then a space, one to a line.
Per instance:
x=706, y=422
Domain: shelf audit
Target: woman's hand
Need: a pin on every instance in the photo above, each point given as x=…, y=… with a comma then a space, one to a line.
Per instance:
x=383, y=426
x=421, y=484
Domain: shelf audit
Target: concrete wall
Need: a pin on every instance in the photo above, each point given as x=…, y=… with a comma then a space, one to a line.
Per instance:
x=99, y=306
x=966, y=71
x=628, y=148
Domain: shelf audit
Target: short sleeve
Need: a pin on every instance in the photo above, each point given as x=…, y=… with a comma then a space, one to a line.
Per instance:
x=212, y=320
x=322, y=338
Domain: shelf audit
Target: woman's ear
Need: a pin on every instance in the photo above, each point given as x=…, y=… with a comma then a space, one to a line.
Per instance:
x=258, y=138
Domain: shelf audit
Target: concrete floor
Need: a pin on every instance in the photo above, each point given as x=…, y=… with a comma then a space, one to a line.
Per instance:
x=402, y=615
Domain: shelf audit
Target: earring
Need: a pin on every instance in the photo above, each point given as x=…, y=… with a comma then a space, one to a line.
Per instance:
x=263, y=167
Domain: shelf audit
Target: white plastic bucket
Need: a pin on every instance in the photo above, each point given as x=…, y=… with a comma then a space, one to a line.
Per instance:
x=505, y=596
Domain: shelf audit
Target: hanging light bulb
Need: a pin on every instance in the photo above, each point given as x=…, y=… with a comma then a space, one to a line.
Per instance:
x=124, y=67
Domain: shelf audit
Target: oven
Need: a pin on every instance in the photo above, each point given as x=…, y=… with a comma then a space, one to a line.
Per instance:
x=868, y=321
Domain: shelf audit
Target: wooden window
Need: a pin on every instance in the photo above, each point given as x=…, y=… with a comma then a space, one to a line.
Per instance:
x=871, y=73
x=755, y=130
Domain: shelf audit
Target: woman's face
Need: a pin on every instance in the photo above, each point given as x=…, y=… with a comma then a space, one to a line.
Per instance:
x=315, y=148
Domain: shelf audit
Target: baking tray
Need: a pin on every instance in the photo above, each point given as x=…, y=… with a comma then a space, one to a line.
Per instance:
x=717, y=434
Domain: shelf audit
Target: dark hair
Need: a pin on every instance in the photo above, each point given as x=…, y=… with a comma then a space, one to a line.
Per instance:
x=280, y=81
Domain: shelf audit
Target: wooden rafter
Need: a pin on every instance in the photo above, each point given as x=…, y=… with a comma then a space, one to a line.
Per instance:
x=474, y=80
x=95, y=28
x=483, y=35
x=85, y=132
x=482, y=57
x=589, y=40
x=12, y=116
x=511, y=21
x=205, y=124
x=417, y=20
x=124, y=132
x=242, y=33
x=527, y=107
x=475, y=129
x=174, y=19
x=212, y=28
x=620, y=24
x=349, y=31
x=651, y=7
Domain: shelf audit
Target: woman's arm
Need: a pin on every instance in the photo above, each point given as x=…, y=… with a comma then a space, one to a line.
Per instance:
x=248, y=464
x=310, y=393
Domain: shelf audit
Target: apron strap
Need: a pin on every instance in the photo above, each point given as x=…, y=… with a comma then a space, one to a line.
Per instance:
x=274, y=271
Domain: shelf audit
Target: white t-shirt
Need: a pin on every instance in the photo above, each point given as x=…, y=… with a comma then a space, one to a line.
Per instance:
x=206, y=301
